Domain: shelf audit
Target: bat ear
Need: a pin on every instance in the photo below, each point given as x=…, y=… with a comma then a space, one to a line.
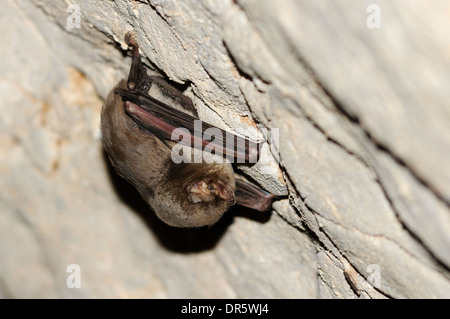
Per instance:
x=226, y=193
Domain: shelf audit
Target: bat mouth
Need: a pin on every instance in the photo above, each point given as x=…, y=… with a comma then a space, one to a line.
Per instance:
x=200, y=192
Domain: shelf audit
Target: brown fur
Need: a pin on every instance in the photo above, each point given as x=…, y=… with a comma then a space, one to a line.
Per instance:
x=144, y=161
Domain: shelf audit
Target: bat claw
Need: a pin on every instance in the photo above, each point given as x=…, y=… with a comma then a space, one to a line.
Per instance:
x=130, y=39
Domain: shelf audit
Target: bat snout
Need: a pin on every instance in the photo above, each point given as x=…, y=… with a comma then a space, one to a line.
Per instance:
x=200, y=192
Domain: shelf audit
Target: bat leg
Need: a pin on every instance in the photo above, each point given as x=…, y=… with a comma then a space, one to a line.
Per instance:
x=253, y=197
x=138, y=79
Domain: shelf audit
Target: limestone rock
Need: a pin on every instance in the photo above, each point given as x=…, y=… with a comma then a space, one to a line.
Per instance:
x=359, y=105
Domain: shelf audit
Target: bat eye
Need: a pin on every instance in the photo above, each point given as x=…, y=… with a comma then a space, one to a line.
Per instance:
x=211, y=189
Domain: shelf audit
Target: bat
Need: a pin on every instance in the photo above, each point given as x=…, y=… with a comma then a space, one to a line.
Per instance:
x=137, y=131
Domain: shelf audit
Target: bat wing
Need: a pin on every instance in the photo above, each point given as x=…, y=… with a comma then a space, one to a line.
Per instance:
x=162, y=119
x=253, y=197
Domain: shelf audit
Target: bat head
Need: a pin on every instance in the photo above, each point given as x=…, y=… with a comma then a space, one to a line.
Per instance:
x=193, y=194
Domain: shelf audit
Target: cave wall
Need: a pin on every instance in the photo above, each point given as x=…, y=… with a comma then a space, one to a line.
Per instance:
x=357, y=91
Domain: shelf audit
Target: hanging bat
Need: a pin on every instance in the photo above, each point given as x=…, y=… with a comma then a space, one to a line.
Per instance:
x=137, y=130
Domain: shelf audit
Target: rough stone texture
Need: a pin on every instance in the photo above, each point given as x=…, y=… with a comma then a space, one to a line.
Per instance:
x=363, y=116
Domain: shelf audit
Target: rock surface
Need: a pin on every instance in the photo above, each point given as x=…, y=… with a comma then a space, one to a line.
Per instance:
x=362, y=117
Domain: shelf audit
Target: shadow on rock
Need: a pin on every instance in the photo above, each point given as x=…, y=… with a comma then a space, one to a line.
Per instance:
x=173, y=238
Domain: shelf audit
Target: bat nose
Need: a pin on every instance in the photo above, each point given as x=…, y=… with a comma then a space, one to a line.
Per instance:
x=199, y=192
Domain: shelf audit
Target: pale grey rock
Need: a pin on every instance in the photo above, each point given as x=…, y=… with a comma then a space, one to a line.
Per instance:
x=364, y=143
x=332, y=282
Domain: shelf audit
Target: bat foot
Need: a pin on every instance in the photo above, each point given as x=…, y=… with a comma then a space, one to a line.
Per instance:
x=130, y=39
